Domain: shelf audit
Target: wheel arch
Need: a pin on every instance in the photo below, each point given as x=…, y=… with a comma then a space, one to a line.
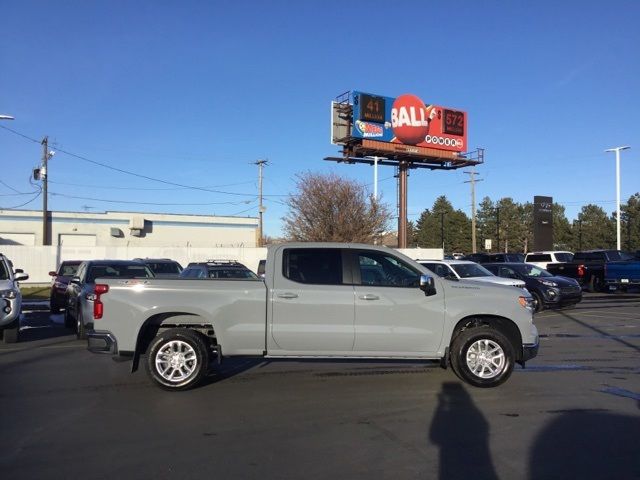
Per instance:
x=160, y=321
x=504, y=325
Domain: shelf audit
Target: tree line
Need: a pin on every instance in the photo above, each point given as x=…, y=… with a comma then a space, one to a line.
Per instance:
x=330, y=208
x=509, y=226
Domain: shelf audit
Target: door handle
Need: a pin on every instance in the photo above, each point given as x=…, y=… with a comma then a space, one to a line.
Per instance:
x=287, y=295
x=369, y=296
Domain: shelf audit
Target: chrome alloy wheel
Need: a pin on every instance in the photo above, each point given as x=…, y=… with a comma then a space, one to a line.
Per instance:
x=176, y=361
x=486, y=359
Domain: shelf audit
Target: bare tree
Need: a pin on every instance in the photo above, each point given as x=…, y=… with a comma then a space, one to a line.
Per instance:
x=327, y=208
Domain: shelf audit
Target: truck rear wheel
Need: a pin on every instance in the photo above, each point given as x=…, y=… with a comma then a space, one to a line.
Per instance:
x=178, y=359
x=482, y=357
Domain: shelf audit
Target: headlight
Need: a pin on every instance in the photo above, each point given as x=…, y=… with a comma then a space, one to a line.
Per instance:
x=10, y=294
x=548, y=283
x=526, y=302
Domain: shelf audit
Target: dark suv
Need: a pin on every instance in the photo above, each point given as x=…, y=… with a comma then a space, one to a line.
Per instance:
x=59, y=284
x=162, y=267
x=78, y=313
x=221, y=269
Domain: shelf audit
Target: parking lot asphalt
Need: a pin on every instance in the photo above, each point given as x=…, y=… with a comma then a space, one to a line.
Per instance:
x=573, y=412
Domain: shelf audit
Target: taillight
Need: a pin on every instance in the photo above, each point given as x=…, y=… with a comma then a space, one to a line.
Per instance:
x=98, y=307
x=581, y=270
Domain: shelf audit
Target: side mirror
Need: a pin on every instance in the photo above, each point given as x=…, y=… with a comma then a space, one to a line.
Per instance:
x=75, y=280
x=427, y=285
x=53, y=274
x=18, y=270
x=21, y=277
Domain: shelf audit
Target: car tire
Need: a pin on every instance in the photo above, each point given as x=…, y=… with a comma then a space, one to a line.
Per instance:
x=595, y=284
x=68, y=319
x=178, y=359
x=537, y=300
x=11, y=333
x=482, y=357
x=81, y=332
x=54, y=308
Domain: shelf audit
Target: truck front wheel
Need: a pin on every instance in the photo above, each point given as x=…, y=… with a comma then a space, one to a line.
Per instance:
x=482, y=357
x=178, y=359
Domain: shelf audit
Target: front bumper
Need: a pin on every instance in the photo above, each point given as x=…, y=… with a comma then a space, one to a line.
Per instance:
x=9, y=310
x=101, y=342
x=530, y=351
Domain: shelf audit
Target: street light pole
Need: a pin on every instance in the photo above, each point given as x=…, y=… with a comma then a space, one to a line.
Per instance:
x=617, y=150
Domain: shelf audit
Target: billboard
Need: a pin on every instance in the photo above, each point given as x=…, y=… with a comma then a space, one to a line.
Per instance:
x=408, y=120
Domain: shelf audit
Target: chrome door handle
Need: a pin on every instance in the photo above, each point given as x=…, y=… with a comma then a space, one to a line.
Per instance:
x=287, y=295
x=369, y=296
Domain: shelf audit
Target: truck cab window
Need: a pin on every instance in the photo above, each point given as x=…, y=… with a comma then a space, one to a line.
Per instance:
x=381, y=270
x=317, y=266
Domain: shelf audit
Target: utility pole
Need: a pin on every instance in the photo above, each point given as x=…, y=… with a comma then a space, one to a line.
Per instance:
x=498, y=226
x=44, y=174
x=472, y=180
x=261, y=209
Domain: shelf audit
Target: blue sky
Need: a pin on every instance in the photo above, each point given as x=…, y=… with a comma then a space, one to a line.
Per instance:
x=194, y=92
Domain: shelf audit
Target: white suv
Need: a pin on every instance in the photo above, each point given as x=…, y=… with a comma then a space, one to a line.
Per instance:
x=541, y=259
x=466, y=270
x=10, y=300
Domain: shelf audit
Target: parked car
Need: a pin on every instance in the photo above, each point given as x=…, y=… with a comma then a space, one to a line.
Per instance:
x=59, y=284
x=542, y=259
x=162, y=267
x=78, y=313
x=10, y=300
x=546, y=289
x=464, y=269
x=318, y=300
x=587, y=267
x=229, y=269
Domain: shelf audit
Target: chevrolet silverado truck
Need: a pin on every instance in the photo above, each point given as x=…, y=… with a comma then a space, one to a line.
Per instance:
x=317, y=301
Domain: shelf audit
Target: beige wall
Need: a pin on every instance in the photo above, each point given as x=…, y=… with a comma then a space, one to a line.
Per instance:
x=114, y=229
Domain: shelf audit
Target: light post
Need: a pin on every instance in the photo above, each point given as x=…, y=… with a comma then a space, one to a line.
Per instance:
x=617, y=150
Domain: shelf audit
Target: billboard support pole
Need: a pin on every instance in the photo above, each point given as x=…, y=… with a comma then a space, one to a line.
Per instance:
x=402, y=214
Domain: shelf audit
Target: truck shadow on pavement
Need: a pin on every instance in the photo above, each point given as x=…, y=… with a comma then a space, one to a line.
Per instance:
x=575, y=443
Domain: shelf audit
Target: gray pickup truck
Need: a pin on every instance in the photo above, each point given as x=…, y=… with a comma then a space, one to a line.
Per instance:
x=317, y=300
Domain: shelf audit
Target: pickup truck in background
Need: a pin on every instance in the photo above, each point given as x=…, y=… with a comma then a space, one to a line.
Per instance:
x=317, y=301
x=588, y=267
x=622, y=275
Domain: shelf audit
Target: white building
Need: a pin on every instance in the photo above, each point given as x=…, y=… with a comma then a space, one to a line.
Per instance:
x=127, y=229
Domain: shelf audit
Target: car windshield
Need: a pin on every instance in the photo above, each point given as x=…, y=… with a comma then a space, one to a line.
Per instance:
x=164, y=268
x=468, y=270
x=118, y=270
x=529, y=270
x=4, y=273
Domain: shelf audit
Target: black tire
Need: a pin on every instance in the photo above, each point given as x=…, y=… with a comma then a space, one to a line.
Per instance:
x=69, y=322
x=54, y=308
x=462, y=357
x=595, y=284
x=537, y=299
x=11, y=333
x=81, y=332
x=191, y=370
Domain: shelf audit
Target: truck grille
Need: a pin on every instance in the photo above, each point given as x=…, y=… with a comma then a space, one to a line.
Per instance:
x=570, y=290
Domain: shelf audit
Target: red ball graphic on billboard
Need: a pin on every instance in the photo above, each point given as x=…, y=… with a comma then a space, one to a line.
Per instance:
x=409, y=119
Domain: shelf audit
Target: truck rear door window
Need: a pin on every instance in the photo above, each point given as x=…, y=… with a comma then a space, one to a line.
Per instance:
x=320, y=266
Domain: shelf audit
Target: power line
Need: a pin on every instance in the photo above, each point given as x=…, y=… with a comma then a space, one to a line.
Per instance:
x=110, y=187
x=146, y=203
